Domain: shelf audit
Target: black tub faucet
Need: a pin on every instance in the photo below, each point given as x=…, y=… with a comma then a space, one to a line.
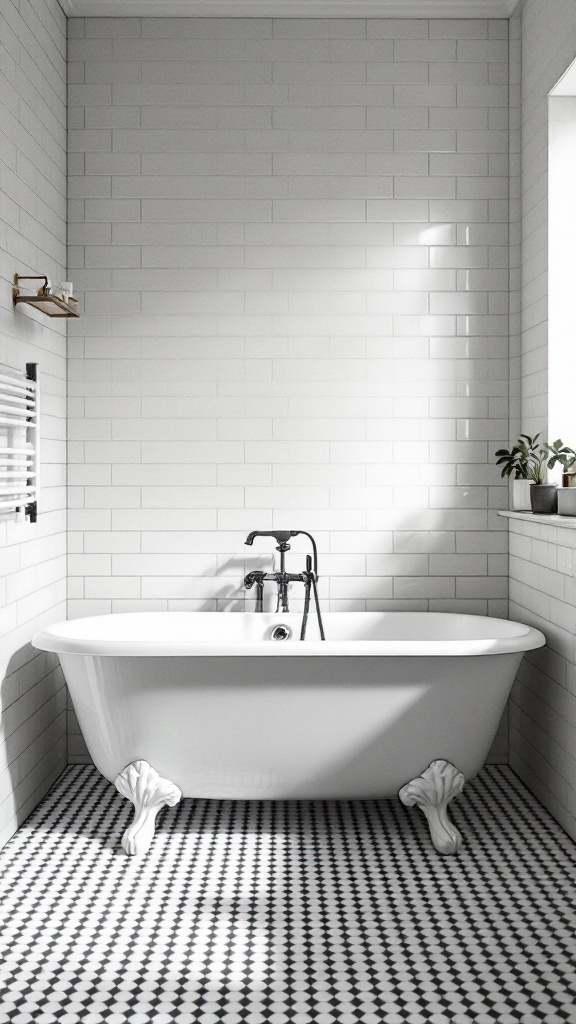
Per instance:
x=281, y=578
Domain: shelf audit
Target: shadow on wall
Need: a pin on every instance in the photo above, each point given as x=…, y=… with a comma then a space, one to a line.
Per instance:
x=409, y=567
x=32, y=733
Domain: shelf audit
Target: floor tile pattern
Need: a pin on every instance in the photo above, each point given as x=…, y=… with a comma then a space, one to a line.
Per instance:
x=288, y=913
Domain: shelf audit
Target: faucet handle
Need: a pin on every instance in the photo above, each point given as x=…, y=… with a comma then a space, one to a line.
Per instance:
x=256, y=576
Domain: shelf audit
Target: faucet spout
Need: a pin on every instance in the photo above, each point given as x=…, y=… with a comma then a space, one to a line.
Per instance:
x=281, y=536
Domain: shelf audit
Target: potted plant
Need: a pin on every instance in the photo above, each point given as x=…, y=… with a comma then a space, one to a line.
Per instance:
x=527, y=460
x=561, y=453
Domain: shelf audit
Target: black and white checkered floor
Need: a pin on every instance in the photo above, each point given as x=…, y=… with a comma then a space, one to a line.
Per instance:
x=288, y=913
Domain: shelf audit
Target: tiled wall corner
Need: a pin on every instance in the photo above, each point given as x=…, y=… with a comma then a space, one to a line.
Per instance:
x=542, y=747
x=515, y=224
x=543, y=704
x=33, y=557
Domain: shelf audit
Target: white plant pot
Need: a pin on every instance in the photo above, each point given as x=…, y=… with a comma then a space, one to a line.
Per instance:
x=567, y=501
x=521, y=495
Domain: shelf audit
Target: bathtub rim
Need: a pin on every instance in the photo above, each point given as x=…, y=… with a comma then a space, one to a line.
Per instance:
x=525, y=639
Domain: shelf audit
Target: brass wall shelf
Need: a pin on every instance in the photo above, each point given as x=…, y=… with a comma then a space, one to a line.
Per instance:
x=51, y=305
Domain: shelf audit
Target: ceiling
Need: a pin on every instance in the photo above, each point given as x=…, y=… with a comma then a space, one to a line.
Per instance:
x=290, y=8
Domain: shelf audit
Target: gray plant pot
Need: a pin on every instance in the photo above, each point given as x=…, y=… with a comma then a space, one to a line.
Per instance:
x=544, y=499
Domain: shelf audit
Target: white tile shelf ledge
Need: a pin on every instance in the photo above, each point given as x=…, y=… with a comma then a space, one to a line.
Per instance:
x=566, y=522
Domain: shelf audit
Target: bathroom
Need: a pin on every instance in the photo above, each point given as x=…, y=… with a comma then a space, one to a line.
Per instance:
x=317, y=256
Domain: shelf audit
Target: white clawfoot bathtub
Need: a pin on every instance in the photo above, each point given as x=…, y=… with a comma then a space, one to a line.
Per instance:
x=219, y=709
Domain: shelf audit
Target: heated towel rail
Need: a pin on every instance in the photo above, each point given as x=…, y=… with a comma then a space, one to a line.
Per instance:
x=19, y=409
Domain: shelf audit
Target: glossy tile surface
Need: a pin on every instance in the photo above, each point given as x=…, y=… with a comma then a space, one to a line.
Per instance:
x=290, y=242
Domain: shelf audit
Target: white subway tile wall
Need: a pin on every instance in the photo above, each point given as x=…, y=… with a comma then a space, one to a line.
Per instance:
x=291, y=240
x=542, y=737
x=33, y=557
x=543, y=704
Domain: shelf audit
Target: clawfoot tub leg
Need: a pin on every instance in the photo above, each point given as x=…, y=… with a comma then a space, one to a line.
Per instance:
x=141, y=784
x=432, y=792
